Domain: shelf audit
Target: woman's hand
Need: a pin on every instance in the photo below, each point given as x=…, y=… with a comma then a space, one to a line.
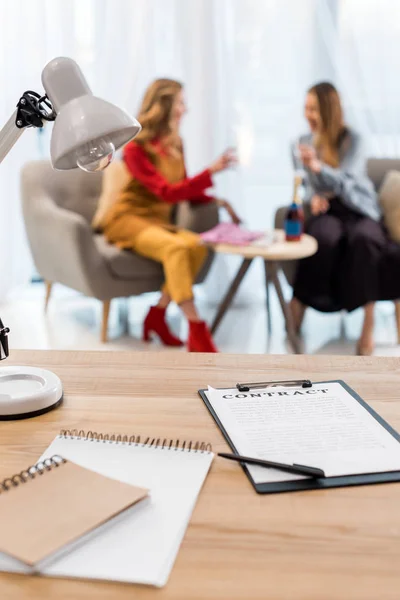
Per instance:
x=230, y=210
x=225, y=161
x=319, y=205
x=308, y=157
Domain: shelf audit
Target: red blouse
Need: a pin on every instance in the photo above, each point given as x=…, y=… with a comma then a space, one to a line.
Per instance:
x=143, y=170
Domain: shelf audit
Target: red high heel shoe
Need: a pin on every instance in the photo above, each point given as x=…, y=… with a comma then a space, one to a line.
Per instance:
x=200, y=339
x=155, y=323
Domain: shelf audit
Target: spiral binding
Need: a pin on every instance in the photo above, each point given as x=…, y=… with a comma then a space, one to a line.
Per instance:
x=137, y=440
x=31, y=472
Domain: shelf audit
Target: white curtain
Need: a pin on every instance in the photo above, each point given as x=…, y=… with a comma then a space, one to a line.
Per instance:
x=246, y=65
x=31, y=33
x=368, y=67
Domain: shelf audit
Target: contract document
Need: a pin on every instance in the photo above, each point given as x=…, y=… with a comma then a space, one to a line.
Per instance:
x=324, y=426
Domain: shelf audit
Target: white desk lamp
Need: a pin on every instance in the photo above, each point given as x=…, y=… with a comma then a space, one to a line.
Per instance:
x=86, y=133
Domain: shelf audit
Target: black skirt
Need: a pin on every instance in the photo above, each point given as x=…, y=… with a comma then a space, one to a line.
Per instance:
x=356, y=262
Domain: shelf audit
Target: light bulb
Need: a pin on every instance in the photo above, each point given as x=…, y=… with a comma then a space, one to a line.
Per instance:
x=96, y=155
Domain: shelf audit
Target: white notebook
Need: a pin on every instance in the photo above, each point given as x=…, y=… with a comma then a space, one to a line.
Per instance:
x=140, y=545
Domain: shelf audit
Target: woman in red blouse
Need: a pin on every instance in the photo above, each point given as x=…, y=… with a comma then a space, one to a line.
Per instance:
x=141, y=219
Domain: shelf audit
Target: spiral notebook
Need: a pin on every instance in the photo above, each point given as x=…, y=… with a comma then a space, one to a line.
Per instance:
x=54, y=503
x=141, y=544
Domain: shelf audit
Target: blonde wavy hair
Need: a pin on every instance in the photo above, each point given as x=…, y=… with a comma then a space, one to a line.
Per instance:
x=156, y=111
x=332, y=124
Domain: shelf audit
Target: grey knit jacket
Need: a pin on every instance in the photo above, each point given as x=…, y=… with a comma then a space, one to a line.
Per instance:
x=349, y=181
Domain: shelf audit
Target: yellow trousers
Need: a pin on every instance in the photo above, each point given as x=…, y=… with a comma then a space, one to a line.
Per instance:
x=181, y=254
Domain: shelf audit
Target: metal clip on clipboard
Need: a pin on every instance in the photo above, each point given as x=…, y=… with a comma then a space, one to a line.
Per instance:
x=246, y=387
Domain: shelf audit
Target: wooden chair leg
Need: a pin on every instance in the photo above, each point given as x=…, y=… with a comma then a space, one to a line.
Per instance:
x=49, y=286
x=104, y=324
x=397, y=311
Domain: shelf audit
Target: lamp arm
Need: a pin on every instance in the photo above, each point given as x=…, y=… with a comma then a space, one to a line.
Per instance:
x=9, y=135
x=3, y=341
x=32, y=110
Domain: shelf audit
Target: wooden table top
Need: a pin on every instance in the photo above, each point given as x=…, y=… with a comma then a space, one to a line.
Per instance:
x=279, y=250
x=318, y=545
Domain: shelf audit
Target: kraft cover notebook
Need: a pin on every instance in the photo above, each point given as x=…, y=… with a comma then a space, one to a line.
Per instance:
x=52, y=504
x=141, y=544
x=325, y=425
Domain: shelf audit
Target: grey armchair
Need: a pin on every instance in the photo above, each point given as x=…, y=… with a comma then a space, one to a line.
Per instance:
x=58, y=207
x=377, y=169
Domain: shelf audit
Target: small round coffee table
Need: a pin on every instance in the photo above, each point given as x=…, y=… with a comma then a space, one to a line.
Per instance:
x=272, y=254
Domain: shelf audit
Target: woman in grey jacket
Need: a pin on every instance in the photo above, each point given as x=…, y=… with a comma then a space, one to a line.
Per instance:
x=346, y=272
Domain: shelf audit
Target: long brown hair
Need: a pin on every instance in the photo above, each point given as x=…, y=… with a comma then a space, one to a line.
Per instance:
x=332, y=125
x=155, y=113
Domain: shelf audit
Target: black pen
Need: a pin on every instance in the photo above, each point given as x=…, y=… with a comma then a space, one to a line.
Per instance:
x=297, y=469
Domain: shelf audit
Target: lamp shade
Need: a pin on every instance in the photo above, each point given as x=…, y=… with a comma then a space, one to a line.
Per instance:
x=85, y=126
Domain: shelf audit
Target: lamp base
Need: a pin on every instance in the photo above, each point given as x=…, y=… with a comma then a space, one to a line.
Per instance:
x=28, y=392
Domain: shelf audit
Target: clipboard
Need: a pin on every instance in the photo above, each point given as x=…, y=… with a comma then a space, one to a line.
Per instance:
x=308, y=484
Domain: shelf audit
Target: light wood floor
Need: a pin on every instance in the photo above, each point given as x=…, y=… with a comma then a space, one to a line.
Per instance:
x=73, y=322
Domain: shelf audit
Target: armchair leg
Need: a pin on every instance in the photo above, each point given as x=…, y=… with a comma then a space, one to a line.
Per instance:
x=49, y=286
x=104, y=324
x=397, y=311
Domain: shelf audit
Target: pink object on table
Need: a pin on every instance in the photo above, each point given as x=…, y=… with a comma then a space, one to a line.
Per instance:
x=229, y=233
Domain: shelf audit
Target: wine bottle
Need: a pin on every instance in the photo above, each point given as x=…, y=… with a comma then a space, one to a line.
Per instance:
x=294, y=221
